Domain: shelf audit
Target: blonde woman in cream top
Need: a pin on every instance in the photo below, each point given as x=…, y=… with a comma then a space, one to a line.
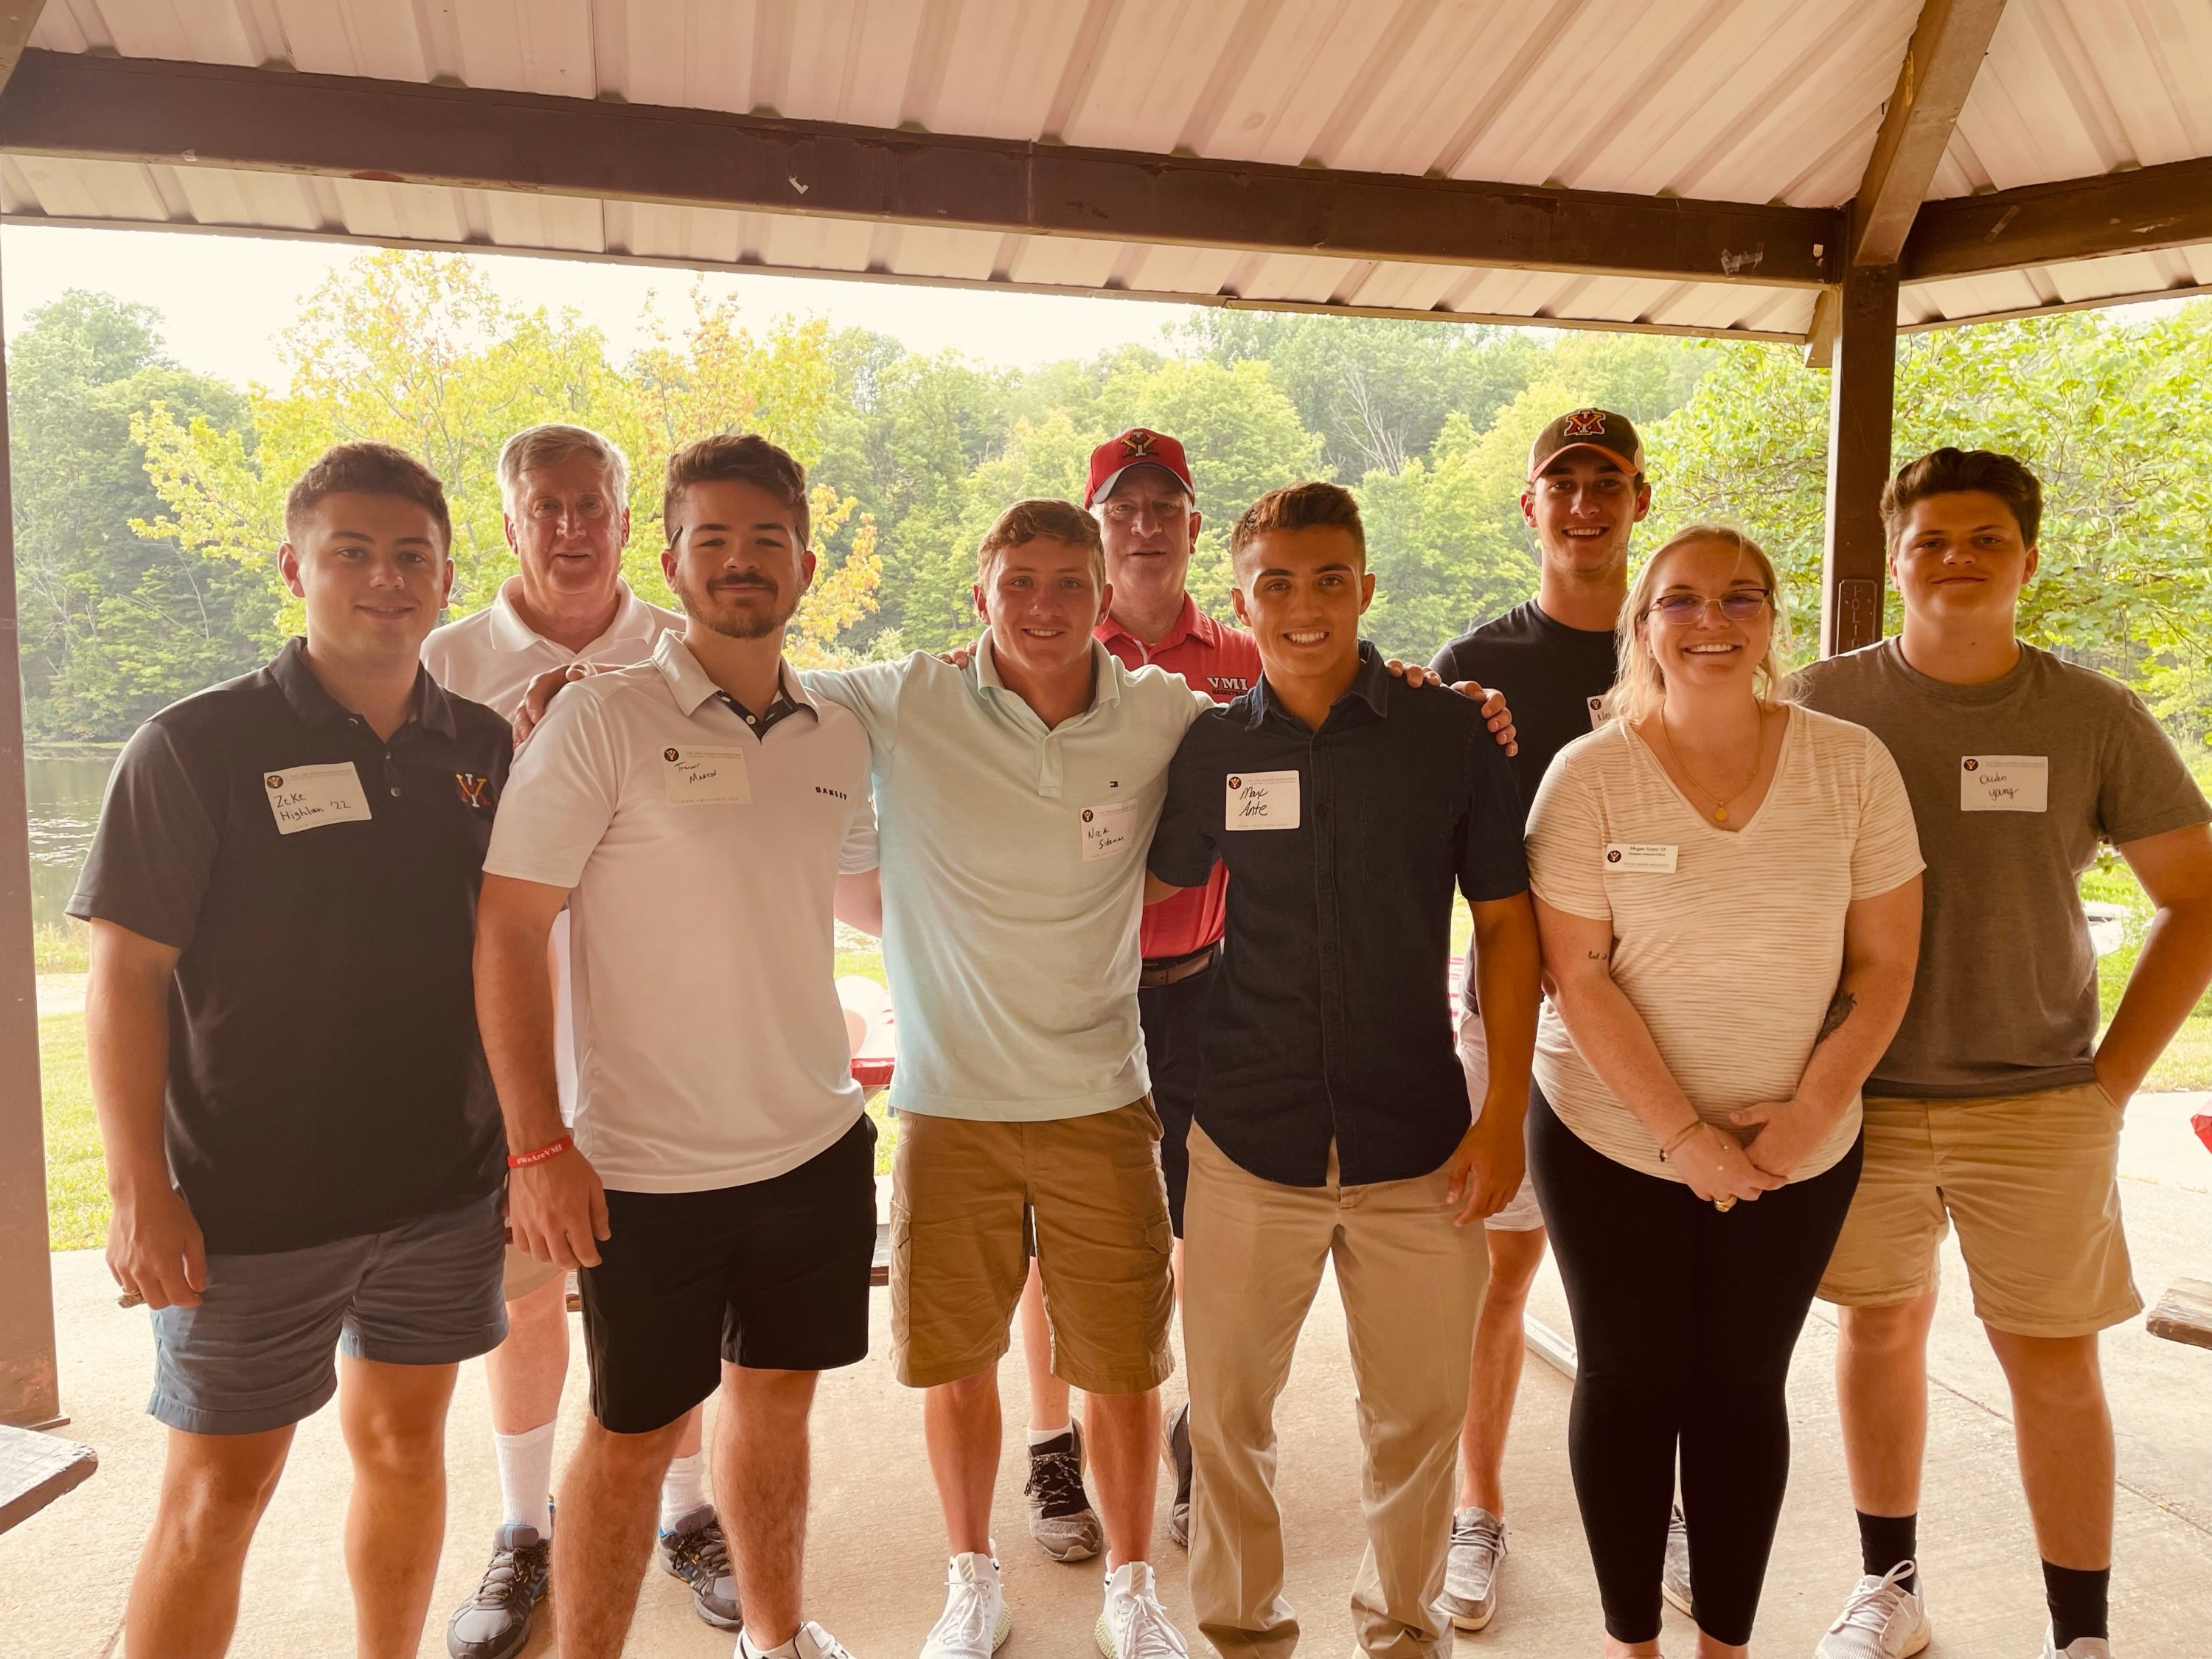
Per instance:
x=1729, y=891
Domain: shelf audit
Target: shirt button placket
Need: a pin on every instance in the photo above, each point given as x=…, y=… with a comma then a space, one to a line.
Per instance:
x=1328, y=941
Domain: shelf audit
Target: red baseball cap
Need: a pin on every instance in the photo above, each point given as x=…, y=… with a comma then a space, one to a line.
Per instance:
x=1138, y=446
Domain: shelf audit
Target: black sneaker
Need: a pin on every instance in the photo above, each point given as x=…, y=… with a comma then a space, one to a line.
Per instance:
x=494, y=1622
x=692, y=1550
x=1175, y=1446
x=1061, y=1520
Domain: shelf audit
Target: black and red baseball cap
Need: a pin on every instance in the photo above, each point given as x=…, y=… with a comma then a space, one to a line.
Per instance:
x=1610, y=435
x=1138, y=446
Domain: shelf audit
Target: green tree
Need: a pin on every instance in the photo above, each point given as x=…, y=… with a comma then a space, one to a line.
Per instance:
x=114, y=626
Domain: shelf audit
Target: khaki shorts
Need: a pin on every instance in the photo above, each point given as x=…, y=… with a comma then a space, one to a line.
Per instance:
x=2031, y=1183
x=523, y=1273
x=1092, y=1187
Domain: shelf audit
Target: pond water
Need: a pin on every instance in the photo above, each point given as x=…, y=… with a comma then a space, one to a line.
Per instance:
x=65, y=798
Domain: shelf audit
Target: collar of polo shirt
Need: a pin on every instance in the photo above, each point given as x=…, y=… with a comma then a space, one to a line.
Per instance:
x=692, y=685
x=316, y=707
x=632, y=621
x=1104, y=687
x=1190, y=623
x=1371, y=685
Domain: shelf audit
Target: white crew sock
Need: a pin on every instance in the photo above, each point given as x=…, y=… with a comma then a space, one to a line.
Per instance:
x=1038, y=1436
x=526, y=1478
x=683, y=1489
x=782, y=1650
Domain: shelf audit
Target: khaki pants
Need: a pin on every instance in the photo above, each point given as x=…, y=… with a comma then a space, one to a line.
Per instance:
x=1412, y=1285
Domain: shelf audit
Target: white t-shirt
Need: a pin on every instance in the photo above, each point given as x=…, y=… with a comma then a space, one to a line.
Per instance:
x=704, y=860
x=490, y=657
x=1734, y=953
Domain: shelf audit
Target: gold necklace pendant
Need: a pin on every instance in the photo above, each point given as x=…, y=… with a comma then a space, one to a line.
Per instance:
x=1720, y=815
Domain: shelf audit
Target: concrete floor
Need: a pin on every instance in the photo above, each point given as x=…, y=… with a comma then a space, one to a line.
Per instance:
x=876, y=1561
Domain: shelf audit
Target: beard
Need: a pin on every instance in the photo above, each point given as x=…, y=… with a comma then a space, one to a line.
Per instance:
x=733, y=622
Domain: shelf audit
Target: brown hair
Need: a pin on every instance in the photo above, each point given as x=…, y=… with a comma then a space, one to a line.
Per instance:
x=366, y=469
x=1639, y=686
x=738, y=458
x=1038, y=519
x=1950, y=471
x=1309, y=506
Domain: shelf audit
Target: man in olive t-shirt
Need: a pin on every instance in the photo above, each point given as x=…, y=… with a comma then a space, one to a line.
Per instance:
x=1996, y=1108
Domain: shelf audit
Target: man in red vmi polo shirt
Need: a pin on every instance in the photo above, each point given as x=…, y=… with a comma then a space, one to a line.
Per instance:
x=1140, y=492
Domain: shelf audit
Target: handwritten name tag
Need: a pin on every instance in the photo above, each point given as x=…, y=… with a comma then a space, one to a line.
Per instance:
x=705, y=777
x=1262, y=801
x=2004, y=783
x=1106, y=830
x=1643, y=857
x=309, y=797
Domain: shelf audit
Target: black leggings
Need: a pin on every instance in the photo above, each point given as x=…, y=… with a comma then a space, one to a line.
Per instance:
x=1685, y=1319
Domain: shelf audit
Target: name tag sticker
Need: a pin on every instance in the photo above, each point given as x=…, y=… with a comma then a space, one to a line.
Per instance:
x=309, y=797
x=705, y=777
x=1597, y=712
x=1106, y=830
x=1262, y=801
x=2004, y=783
x=1645, y=858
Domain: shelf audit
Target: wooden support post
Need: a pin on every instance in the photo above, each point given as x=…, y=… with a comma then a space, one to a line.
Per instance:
x=1860, y=401
x=30, y=1393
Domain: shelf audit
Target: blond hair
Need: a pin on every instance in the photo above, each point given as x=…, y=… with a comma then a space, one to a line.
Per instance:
x=1040, y=519
x=551, y=442
x=1639, y=684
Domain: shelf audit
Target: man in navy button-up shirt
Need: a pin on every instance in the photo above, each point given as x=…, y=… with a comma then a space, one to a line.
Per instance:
x=1332, y=1122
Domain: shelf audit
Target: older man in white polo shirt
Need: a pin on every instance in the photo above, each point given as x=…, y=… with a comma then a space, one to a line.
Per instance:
x=566, y=492
x=719, y=1192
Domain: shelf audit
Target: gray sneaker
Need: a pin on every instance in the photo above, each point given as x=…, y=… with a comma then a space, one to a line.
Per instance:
x=494, y=1622
x=1478, y=1550
x=1882, y=1620
x=1061, y=1520
x=1675, y=1575
x=692, y=1551
x=1175, y=1447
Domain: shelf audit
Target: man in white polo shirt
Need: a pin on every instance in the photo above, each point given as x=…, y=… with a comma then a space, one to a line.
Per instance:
x=719, y=1193
x=1017, y=795
x=566, y=490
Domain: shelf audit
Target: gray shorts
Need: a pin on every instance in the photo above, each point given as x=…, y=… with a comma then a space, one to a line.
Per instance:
x=260, y=1351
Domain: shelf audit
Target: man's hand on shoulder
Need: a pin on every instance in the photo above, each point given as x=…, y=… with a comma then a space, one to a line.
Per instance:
x=1495, y=714
x=539, y=697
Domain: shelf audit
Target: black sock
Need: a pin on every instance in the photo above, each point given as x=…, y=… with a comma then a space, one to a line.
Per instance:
x=2078, y=1600
x=1887, y=1541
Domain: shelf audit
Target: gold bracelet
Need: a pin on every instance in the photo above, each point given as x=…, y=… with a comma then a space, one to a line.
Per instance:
x=1680, y=1135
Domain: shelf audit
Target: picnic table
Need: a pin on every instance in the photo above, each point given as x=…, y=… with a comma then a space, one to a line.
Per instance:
x=35, y=1469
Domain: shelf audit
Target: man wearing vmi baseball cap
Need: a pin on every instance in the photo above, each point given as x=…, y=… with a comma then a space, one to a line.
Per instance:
x=1553, y=658
x=1140, y=492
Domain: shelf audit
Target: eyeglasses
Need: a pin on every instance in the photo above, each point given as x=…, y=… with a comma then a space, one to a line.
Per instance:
x=1737, y=604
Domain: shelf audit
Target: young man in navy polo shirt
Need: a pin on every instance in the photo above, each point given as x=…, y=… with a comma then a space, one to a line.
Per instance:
x=1332, y=1120
x=302, y=1142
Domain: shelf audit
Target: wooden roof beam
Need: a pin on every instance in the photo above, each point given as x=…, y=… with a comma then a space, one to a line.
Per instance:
x=193, y=114
x=2138, y=211
x=1948, y=45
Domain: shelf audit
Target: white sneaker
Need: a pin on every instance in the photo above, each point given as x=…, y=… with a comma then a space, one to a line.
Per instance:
x=812, y=1642
x=977, y=1620
x=1675, y=1572
x=1882, y=1620
x=1134, y=1626
x=1477, y=1551
x=2081, y=1647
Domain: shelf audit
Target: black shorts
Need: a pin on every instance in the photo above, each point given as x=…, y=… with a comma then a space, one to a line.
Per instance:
x=772, y=1275
x=1174, y=1019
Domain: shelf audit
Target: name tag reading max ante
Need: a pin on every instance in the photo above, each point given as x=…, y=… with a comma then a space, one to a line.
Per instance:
x=309, y=797
x=1262, y=801
x=705, y=777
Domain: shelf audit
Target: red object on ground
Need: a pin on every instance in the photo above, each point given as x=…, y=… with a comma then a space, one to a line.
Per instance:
x=2203, y=1124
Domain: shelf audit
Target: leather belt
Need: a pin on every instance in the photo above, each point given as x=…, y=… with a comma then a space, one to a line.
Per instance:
x=1170, y=970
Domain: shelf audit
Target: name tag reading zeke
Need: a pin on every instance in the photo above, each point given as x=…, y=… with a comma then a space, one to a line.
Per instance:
x=705, y=777
x=309, y=797
x=1262, y=801
x=2004, y=783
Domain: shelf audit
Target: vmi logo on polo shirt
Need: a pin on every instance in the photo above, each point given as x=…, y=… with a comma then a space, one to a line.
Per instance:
x=1227, y=683
x=473, y=789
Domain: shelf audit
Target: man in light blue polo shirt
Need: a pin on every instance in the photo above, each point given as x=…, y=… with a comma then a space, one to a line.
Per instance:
x=1016, y=795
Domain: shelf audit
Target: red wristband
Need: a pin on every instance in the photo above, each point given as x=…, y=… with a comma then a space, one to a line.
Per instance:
x=523, y=1160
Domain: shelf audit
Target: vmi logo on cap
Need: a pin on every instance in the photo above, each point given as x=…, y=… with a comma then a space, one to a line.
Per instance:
x=1137, y=442
x=1584, y=423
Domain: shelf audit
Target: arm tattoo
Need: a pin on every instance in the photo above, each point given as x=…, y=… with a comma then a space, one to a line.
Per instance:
x=1838, y=1011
